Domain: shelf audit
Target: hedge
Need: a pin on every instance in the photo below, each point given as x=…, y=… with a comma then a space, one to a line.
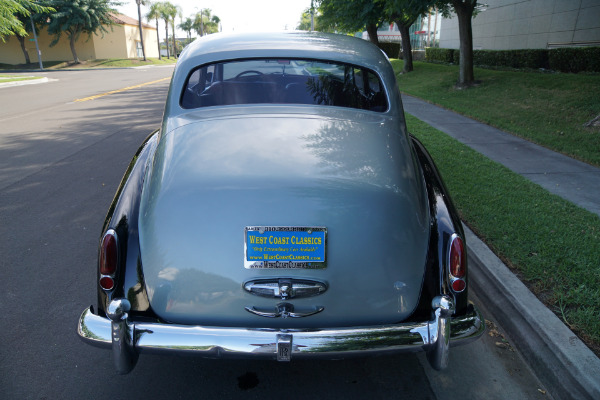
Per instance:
x=574, y=59
x=436, y=54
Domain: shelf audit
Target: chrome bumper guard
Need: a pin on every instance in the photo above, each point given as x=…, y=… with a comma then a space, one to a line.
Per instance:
x=128, y=339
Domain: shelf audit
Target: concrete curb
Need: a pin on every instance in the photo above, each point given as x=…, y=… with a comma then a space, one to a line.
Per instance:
x=21, y=83
x=565, y=365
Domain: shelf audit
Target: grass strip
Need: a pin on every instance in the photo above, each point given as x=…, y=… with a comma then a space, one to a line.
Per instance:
x=549, y=109
x=98, y=63
x=31, y=66
x=552, y=245
x=9, y=78
x=125, y=62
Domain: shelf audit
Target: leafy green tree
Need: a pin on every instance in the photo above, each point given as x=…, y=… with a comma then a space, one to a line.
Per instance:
x=351, y=16
x=163, y=10
x=465, y=11
x=14, y=16
x=34, y=18
x=404, y=13
x=205, y=23
x=187, y=26
x=76, y=17
x=171, y=11
x=28, y=22
x=304, y=23
x=214, y=24
x=155, y=14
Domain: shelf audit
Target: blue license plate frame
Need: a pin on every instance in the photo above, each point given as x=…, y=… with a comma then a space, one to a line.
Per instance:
x=270, y=247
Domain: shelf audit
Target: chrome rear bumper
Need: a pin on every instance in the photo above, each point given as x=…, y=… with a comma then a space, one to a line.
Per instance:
x=128, y=339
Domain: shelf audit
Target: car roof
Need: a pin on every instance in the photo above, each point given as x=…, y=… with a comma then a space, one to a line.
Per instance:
x=287, y=44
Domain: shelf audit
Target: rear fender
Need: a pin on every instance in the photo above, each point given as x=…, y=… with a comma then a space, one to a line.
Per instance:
x=123, y=218
x=444, y=223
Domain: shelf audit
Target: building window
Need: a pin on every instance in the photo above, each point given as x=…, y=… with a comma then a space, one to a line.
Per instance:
x=138, y=47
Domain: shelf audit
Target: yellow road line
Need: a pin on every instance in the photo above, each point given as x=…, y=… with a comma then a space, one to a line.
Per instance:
x=120, y=90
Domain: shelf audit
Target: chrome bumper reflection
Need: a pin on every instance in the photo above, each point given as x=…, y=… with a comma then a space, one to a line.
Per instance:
x=127, y=339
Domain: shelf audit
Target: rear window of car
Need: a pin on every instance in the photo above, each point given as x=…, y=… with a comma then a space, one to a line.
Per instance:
x=284, y=81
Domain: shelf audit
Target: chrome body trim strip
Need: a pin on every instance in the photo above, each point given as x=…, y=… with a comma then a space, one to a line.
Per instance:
x=433, y=336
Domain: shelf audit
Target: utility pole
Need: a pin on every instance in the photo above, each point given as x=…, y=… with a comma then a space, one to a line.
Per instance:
x=37, y=47
x=201, y=22
x=312, y=16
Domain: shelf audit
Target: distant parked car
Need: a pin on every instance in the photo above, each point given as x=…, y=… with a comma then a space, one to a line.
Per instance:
x=281, y=211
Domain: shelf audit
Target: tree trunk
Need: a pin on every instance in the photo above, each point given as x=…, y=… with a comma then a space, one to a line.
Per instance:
x=158, y=40
x=464, y=13
x=25, y=53
x=372, y=31
x=167, y=39
x=406, y=47
x=173, y=36
x=141, y=33
x=72, y=38
x=435, y=28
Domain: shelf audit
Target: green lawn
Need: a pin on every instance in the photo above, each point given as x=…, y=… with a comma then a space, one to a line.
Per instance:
x=552, y=245
x=546, y=108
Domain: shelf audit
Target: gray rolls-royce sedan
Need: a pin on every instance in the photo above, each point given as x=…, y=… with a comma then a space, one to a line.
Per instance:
x=281, y=211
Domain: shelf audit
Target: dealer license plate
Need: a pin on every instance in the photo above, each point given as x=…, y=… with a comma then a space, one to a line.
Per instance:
x=285, y=247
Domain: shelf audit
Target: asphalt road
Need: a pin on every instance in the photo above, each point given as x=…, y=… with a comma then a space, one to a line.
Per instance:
x=60, y=163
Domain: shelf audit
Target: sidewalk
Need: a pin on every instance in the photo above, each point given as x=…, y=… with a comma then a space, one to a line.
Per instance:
x=570, y=179
x=560, y=360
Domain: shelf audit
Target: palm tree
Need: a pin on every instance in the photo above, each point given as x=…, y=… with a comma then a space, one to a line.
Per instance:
x=166, y=16
x=140, y=2
x=187, y=27
x=206, y=23
x=173, y=11
x=155, y=14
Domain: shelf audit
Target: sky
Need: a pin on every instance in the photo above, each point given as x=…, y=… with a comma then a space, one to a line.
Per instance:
x=235, y=15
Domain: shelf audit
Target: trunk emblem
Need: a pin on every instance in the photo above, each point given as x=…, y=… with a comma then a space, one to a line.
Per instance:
x=285, y=288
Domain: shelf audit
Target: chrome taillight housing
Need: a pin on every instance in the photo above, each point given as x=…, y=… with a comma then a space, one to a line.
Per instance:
x=457, y=264
x=109, y=259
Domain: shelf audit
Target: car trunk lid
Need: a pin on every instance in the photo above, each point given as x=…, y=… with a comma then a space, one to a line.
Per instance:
x=351, y=176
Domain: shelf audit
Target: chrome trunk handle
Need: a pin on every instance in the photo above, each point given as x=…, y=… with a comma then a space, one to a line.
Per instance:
x=285, y=288
x=284, y=310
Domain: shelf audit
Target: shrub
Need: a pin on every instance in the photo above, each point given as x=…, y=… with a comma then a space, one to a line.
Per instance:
x=569, y=59
x=527, y=58
x=438, y=55
x=575, y=60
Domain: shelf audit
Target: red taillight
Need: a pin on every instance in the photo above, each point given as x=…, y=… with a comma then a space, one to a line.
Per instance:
x=107, y=283
x=459, y=285
x=109, y=258
x=458, y=258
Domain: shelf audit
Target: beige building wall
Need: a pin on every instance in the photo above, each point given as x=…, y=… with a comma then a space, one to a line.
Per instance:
x=111, y=44
x=11, y=53
x=529, y=24
x=121, y=42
